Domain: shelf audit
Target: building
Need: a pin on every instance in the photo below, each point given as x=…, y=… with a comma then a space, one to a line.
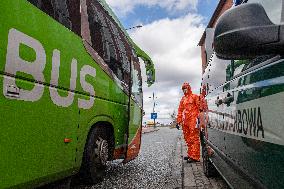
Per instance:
x=207, y=38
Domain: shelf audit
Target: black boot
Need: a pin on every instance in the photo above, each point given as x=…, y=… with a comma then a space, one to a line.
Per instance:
x=190, y=160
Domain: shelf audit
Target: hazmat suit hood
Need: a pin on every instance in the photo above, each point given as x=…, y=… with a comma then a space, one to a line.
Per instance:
x=186, y=89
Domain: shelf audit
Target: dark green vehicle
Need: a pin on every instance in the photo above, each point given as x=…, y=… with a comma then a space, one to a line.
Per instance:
x=244, y=135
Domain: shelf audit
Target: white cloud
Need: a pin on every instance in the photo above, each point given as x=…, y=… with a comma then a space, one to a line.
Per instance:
x=172, y=44
x=126, y=6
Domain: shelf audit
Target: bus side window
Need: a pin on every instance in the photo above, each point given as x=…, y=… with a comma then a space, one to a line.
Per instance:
x=126, y=55
x=116, y=64
x=96, y=28
x=102, y=42
x=75, y=15
x=66, y=12
x=122, y=45
x=137, y=82
x=107, y=42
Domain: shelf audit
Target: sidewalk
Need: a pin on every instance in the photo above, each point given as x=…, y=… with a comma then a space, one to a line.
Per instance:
x=193, y=176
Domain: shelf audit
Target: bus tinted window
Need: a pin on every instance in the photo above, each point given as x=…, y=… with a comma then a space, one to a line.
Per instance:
x=122, y=45
x=137, y=83
x=75, y=15
x=107, y=41
x=66, y=12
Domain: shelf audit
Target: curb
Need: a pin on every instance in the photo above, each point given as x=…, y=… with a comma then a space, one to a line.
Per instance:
x=149, y=131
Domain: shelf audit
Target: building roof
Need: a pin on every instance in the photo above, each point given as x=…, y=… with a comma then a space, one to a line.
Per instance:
x=213, y=19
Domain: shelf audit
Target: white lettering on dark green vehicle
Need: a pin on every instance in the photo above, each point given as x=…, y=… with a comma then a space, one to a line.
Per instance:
x=246, y=122
x=14, y=64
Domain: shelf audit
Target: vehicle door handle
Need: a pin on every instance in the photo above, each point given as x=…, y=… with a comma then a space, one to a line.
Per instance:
x=228, y=100
x=12, y=91
x=218, y=102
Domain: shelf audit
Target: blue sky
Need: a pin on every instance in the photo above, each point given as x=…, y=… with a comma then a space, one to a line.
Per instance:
x=147, y=14
x=170, y=34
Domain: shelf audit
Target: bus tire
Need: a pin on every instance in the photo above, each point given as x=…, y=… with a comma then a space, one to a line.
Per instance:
x=208, y=168
x=95, y=156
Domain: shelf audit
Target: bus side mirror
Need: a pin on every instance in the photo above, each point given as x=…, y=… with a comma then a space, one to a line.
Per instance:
x=149, y=65
x=150, y=73
x=245, y=32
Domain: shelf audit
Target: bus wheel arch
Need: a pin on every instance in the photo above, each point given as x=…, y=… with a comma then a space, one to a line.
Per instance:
x=98, y=150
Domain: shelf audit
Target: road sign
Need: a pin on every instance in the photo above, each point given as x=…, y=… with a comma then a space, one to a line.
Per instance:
x=154, y=115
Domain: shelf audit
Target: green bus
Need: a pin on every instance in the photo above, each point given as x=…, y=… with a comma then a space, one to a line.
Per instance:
x=72, y=91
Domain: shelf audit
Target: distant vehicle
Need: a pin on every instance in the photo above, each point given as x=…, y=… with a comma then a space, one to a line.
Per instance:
x=244, y=137
x=71, y=91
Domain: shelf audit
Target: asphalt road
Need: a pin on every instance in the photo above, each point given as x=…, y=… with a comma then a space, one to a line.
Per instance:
x=158, y=166
x=153, y=168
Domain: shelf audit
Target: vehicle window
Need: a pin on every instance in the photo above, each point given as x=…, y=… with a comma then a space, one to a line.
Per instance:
x=122, y=44
x=273, y=9
x=66, y=12
x=238, y=66
x=205, y=79
x=107, y=41
x=96, y=21
x=254, y=62
x=218, y=72
x=137, y=82
x=126, y=54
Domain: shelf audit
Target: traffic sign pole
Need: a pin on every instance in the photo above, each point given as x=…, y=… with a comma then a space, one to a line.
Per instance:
x=154, y=116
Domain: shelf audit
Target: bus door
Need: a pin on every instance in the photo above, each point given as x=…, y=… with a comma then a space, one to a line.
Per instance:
x=135, y=114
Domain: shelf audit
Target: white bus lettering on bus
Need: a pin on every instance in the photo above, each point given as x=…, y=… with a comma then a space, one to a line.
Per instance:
x=14, y=64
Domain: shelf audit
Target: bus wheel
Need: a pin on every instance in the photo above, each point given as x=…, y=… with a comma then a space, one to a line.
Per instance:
x=208, y=168
x=95, y=156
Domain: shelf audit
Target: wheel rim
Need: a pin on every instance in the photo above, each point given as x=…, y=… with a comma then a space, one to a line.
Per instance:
x=102, y=150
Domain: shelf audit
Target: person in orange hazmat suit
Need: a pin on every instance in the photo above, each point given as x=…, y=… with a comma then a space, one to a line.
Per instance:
x=187, y=115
